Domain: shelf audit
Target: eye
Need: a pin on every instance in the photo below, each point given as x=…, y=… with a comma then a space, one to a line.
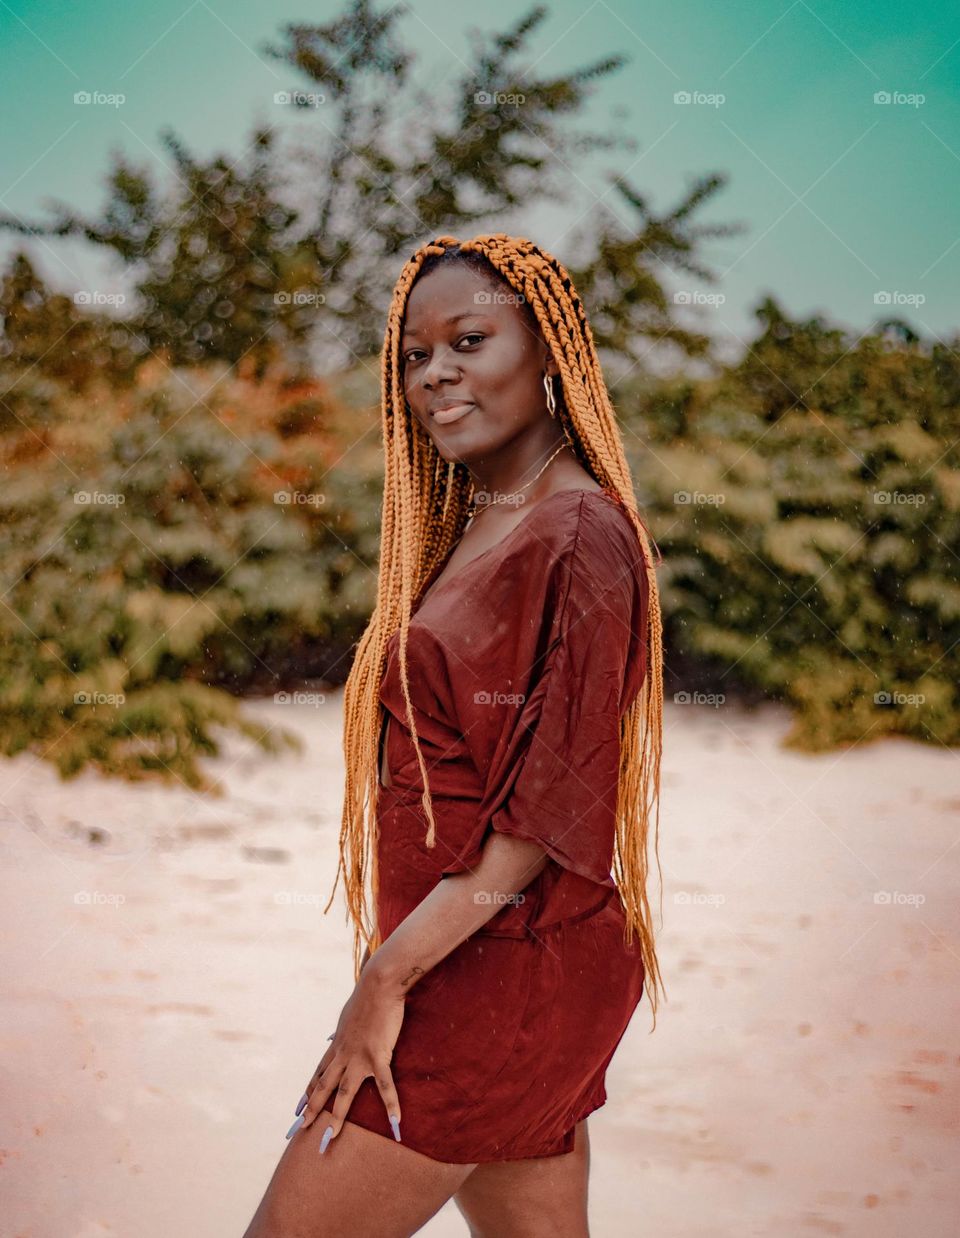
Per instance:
x=411, y=357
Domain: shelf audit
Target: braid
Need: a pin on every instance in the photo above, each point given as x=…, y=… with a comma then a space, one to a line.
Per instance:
x=425, y=501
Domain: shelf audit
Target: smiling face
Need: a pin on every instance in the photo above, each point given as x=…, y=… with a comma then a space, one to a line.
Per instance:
x=473, y=363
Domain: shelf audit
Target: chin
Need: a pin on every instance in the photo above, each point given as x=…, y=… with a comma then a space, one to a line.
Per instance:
x=453, y=454
x=456, y=448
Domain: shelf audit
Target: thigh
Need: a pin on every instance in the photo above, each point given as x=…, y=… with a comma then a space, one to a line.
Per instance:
x=541, y=1198
x=363, y=1184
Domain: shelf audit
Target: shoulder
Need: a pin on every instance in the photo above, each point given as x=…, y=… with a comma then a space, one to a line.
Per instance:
x=567, y=513
x=590, y=524
x=590, y=536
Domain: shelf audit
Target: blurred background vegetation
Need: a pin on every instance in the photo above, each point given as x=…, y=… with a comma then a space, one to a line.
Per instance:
x=191, y=482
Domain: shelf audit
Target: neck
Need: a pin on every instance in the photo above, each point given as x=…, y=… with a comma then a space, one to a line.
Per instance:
x=517, y=463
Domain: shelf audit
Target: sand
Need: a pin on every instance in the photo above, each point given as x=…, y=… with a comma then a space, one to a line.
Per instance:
x=170, y=980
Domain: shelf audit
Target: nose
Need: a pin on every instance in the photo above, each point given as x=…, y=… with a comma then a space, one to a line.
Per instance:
x=441, y=367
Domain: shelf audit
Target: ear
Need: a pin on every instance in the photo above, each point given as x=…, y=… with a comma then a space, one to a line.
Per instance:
x=550, y=365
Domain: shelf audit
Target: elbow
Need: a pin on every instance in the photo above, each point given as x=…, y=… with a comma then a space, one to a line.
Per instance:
x=513, y=862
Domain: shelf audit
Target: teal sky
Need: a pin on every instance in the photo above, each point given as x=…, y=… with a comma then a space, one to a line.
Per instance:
x=844, y=198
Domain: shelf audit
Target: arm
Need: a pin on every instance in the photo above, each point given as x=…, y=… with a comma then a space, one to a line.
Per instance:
x=371, y=1020
x=452, y=911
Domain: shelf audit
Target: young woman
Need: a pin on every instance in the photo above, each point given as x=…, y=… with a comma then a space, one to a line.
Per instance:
x=502, y=737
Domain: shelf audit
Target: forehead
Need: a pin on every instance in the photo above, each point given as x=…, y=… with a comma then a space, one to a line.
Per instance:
x=450, y=294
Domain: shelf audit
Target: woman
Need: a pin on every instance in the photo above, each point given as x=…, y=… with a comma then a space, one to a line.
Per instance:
x=503, y=723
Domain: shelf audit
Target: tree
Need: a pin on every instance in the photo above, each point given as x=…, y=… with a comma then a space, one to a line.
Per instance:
x=234, y=260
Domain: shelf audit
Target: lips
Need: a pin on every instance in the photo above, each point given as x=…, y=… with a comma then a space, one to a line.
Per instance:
x=446, y=413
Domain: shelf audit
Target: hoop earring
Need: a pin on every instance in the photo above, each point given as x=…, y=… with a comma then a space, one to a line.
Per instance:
x=551, y=398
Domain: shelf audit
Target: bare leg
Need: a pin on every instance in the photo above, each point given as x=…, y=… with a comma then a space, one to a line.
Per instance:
x=363, y=1184
x=541, y=1198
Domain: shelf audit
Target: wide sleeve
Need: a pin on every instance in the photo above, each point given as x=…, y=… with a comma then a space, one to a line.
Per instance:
x=554, y=772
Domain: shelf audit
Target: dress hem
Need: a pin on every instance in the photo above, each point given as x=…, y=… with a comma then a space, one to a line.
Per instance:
x=538, y=1153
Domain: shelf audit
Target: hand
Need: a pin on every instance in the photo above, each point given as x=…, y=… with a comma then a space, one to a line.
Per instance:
x=362, y=1046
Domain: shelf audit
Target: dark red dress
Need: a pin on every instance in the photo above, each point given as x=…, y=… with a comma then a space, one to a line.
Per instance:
x=521, y=665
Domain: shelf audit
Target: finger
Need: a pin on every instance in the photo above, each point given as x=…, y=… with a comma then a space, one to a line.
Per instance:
x=326, y=1084
x=383, y=1077
x=341, y=1107
x=321, y=1067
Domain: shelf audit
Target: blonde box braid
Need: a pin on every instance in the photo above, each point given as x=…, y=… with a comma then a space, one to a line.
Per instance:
x=424, y=512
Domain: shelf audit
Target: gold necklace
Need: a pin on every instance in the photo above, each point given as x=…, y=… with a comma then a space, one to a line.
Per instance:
x=473, y=510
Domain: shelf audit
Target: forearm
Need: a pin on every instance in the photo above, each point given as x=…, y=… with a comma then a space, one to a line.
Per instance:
x=454, y=909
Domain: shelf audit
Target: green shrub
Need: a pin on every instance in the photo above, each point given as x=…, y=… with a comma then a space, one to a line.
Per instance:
x=166, y=550
x=806, y=502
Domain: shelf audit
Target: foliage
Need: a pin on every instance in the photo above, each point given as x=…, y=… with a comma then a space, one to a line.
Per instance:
x=807, y=506
x=167, y=548
x=245, y=258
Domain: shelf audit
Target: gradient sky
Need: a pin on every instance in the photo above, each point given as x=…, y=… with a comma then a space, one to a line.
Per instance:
x=843, y=197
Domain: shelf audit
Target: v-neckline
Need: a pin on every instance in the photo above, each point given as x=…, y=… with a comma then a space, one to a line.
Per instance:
x=429, y=585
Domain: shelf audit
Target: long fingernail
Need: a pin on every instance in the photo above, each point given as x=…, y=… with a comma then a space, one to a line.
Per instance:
x=395, y=1123
x=327, y=1136
x=296, y=1126
x=303, y=1100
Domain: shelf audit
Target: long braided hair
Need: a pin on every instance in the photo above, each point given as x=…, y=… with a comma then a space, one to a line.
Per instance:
x=425, y=501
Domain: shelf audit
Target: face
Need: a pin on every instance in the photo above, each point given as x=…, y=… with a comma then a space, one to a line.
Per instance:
x=473, y=364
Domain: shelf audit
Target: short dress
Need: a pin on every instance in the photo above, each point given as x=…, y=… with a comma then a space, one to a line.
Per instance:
x=520, y=666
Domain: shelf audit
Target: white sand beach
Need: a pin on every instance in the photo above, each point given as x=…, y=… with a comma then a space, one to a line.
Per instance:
x=170, y=981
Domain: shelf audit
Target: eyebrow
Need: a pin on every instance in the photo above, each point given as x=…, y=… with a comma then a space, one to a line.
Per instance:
x=453, y=318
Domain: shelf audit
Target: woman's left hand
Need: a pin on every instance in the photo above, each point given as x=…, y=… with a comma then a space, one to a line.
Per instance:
x=362, y=1046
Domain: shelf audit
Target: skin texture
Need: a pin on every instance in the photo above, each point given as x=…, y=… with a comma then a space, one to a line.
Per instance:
x=495, y=358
